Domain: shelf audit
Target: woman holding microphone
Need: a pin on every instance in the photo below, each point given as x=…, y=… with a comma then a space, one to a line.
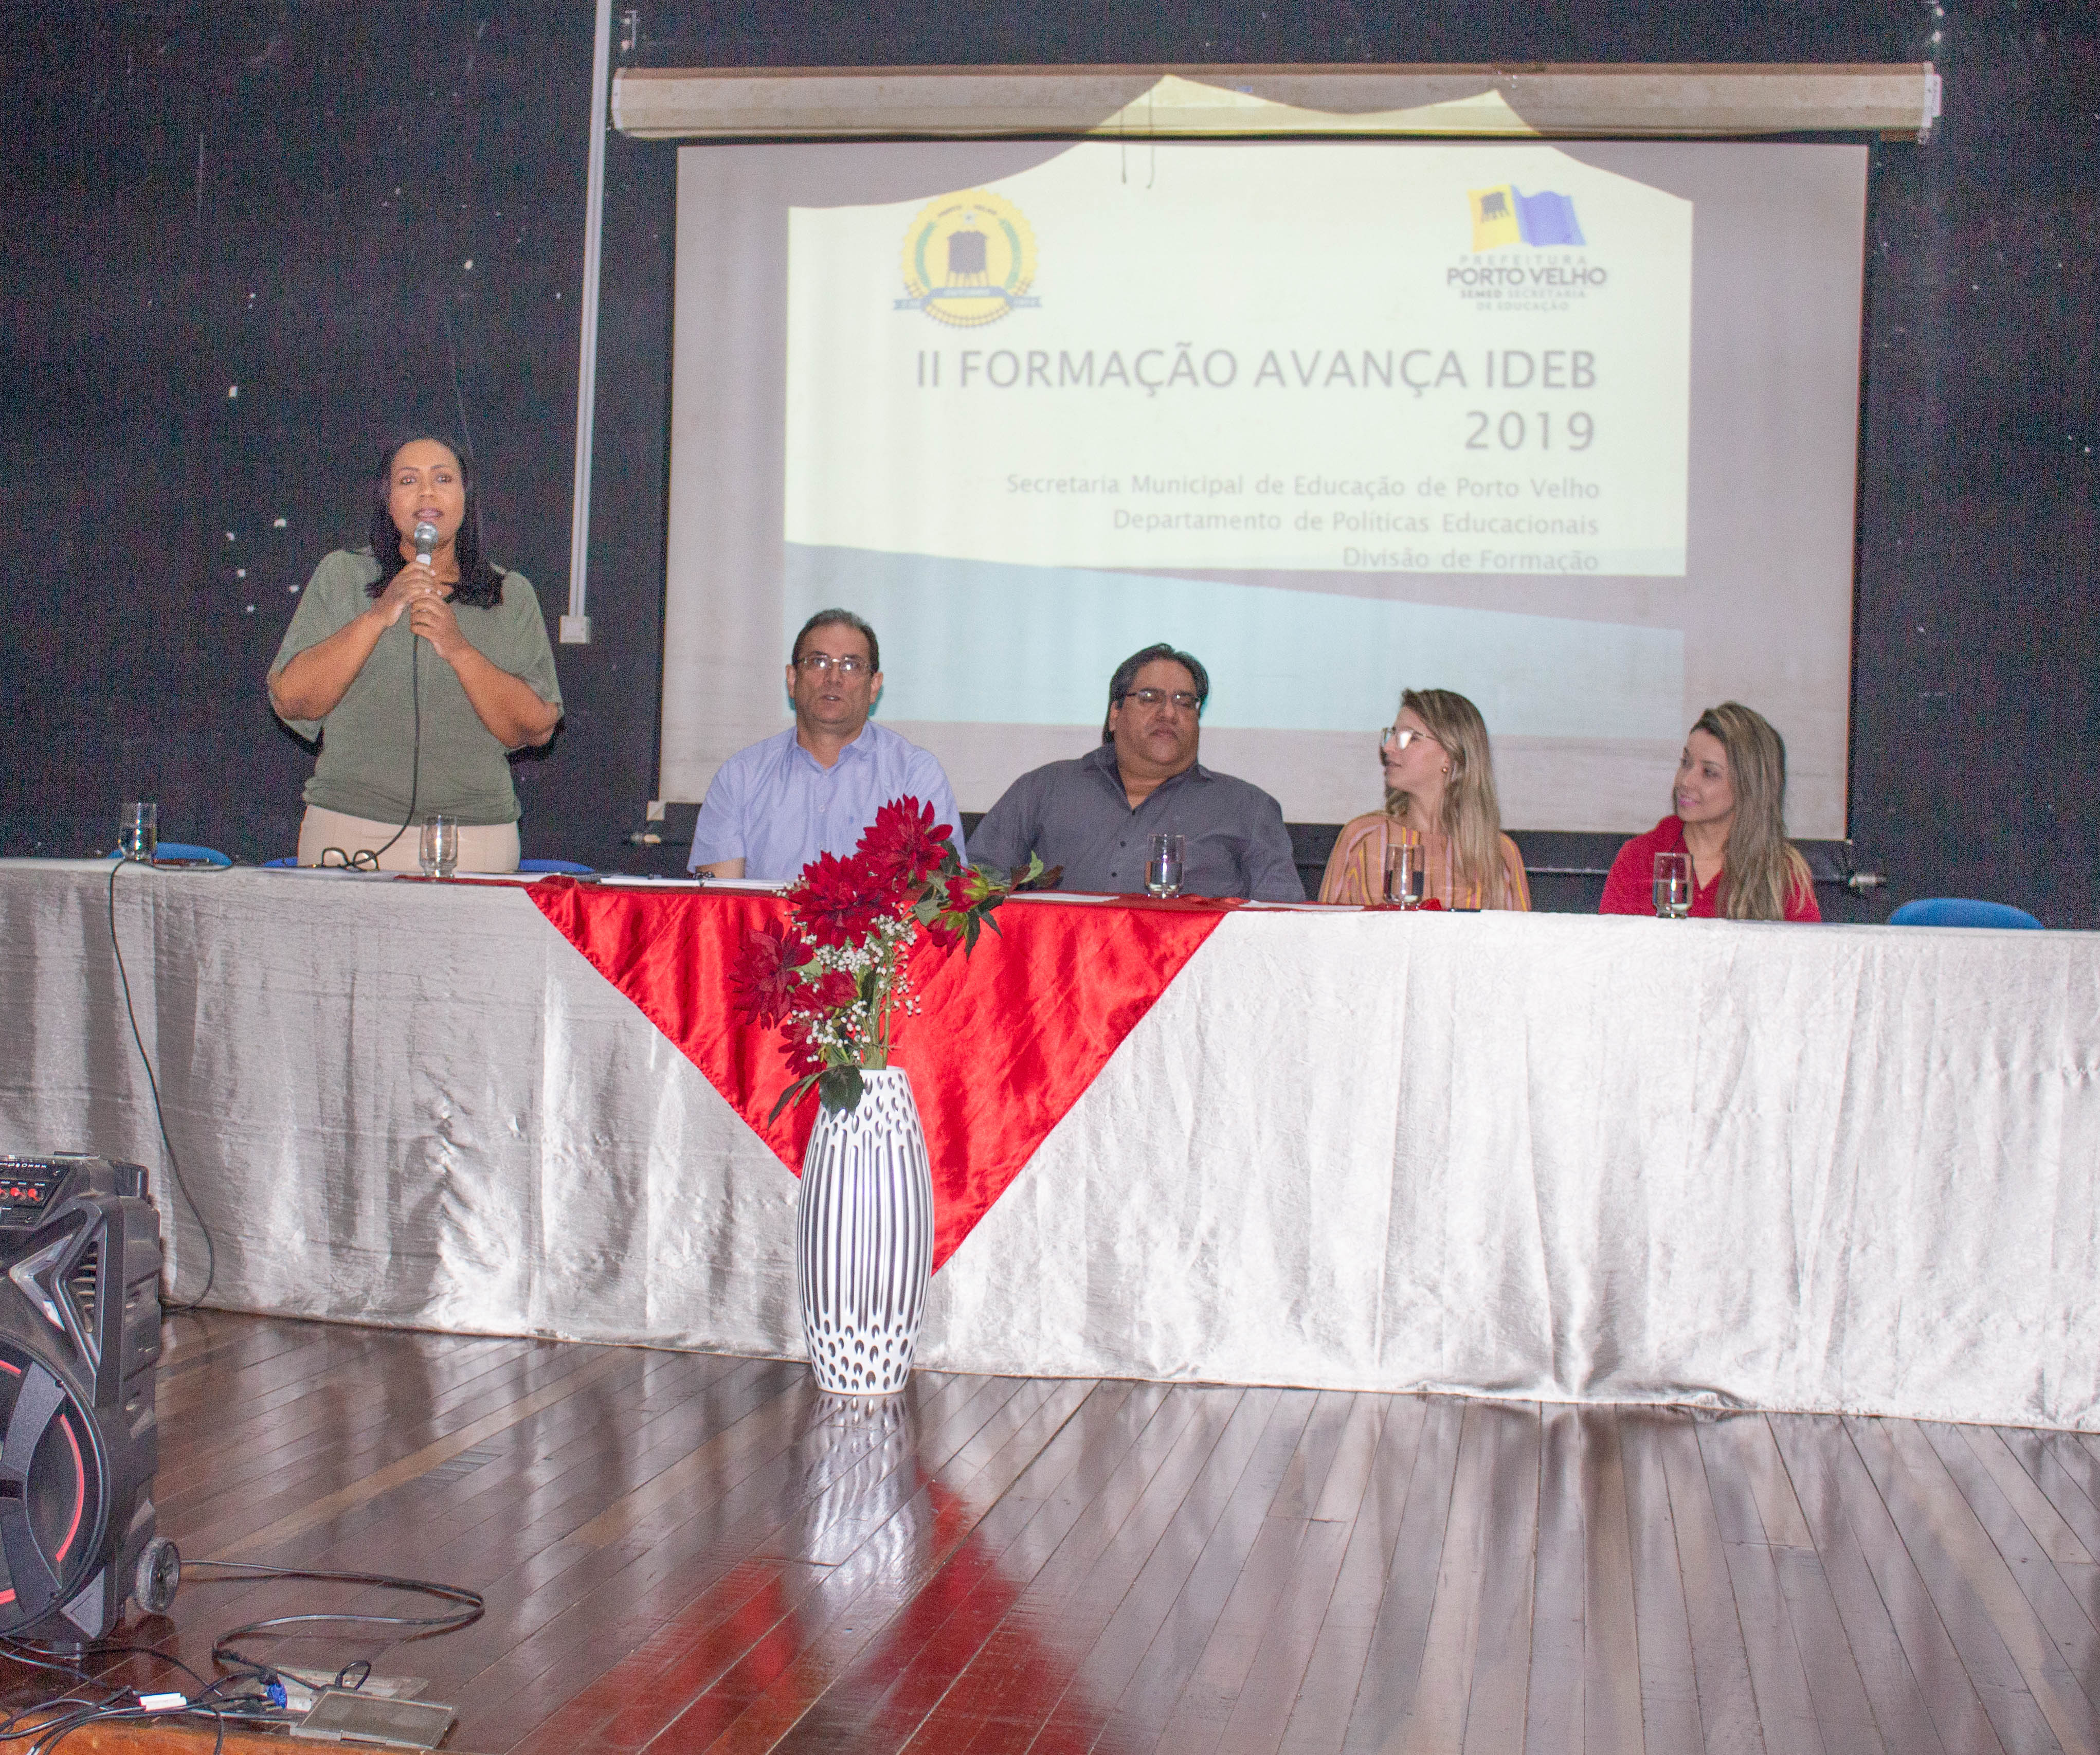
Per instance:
x=419, y=666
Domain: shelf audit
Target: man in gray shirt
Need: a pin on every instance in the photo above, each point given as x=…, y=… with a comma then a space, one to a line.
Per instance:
x=1094, y=815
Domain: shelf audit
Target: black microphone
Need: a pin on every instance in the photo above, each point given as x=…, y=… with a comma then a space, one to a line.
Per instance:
x=426, y=539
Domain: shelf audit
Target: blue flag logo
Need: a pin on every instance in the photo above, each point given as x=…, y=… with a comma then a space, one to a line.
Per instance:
x=1504, y=215
x=1547, y=219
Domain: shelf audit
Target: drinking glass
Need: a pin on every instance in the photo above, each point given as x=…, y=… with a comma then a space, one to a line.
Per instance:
x=138, y=829
x=1404, y=873
x=440, y=848
x=1673, y=886
x=1162, y=864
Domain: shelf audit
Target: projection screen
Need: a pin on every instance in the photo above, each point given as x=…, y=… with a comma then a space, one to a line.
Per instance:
x=1570, y=428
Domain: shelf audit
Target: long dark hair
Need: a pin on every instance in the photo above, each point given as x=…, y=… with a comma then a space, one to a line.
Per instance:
x=480, y=584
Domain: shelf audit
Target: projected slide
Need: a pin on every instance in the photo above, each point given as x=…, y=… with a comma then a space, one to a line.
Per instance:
x=1314, y=359
x=1570, y=430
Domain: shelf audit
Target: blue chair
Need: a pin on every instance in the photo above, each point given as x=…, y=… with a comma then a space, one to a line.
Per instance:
x=569, y=866
x=209, y=855
x=1955, y=911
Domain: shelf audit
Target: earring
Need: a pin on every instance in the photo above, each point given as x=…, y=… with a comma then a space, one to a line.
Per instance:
x=1447, y=770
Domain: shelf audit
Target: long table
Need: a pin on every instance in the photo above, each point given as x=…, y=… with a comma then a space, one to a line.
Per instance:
x=1839, y=1168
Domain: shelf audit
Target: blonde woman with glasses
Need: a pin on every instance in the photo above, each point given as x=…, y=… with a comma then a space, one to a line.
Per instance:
x=1439, y=794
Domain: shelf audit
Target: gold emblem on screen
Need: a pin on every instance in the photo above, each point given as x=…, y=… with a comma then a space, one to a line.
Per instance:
x=969, y=258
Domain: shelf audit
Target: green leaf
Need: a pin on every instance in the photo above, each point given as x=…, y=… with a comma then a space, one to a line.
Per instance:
x=1037, y=875
x=839, y=1088
x=791, y=1096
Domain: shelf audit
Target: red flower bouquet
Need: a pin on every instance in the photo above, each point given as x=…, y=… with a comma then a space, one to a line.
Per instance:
x=832, y=980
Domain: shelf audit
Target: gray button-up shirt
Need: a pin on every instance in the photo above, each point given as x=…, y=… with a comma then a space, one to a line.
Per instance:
x=1075, y=814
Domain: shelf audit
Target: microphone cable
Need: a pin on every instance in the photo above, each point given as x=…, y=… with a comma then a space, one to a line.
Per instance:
x=160, y=1114
x=416, y=758
x=426, y=535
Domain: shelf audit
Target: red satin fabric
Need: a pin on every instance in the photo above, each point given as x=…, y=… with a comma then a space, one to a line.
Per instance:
x=1004, y=1042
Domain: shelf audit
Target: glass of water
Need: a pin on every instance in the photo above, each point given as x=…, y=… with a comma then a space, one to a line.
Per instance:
x=1673, y=886
x=1162, y=864
x=440, y=849
x=138, y=829
x=1404, y=873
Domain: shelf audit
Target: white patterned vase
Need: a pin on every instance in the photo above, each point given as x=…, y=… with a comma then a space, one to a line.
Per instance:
x=864, y=1239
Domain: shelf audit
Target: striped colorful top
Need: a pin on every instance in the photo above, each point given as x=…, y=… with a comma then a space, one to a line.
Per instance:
x=1356, y=869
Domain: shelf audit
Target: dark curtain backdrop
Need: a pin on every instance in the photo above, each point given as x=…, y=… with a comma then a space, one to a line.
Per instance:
x=244, y=243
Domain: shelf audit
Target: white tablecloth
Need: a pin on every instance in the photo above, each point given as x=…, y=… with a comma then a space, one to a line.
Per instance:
x=1820, y=1168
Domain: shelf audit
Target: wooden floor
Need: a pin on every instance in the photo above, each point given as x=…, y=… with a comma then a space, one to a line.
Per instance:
x=684, y=1552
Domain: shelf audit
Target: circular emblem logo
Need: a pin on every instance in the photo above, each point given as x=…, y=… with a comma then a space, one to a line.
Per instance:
x=969, y=259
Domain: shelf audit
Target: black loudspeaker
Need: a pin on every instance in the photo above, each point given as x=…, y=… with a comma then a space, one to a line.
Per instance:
x=80, y=1335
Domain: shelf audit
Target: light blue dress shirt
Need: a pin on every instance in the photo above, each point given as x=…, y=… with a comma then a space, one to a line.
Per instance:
x=775, y=807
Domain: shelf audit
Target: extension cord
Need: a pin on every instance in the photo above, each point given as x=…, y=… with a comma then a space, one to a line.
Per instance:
x=302, y=1686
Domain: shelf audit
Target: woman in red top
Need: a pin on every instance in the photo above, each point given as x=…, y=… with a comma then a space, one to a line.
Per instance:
x=1730, y=793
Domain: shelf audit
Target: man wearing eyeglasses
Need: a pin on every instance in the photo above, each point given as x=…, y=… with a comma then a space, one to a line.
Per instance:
x=773, y=807
x=1095, y=815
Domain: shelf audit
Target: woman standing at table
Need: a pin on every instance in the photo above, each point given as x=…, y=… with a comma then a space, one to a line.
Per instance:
x=419, y=666
x=1440, y=793
x=1730, y=816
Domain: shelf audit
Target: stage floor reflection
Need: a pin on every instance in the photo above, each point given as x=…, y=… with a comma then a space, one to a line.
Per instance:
x=689, y=1552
